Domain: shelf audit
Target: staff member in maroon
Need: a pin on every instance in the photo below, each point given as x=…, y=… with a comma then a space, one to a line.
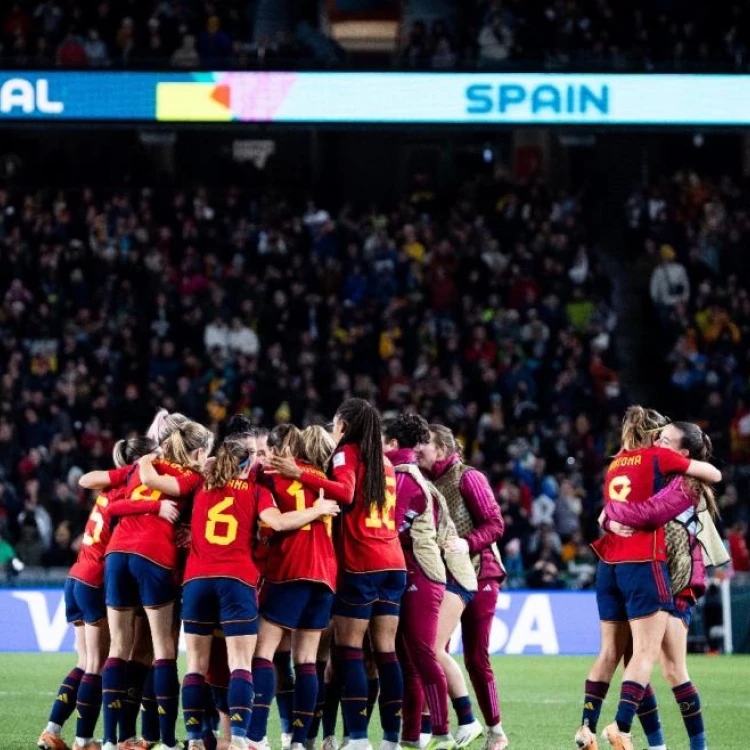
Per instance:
x=478, y=520
x=424, y=678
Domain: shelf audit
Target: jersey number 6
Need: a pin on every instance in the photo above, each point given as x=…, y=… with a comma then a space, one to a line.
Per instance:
x=216, y=516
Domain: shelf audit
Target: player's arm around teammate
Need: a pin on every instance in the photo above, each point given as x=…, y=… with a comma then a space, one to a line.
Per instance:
x=678, y=503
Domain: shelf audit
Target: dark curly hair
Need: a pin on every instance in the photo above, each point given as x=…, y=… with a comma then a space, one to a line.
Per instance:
x=408, y=429
x=239, y=425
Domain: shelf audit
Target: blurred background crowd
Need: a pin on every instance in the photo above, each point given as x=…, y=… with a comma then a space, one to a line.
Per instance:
x=431, y=34
x=488, y=312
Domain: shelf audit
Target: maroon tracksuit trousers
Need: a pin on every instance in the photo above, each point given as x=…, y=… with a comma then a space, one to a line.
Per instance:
x=424, y=679
x=476, y=625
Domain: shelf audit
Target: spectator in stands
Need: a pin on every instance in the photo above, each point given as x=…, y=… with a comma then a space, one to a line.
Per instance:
x=34, y=514
x=186, y=55
x=214, y=45
x=96, y=51
x=30, y=547
x=738, y=549
x=495, y=40
x=60, y=554
x=669, y=283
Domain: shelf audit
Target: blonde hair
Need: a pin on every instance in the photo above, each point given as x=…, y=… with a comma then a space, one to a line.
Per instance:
x=165, y=424
x=233, y=451
x=445, y=439
x=641, y=427
x=185, y=439
x=318, y=445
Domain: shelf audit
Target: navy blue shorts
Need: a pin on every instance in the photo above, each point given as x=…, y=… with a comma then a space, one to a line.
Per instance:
x=297, y=605
x=84, y=603
x=133, y=581
x=367, y=595
x=630, y=591
x=210, y=602
x=463, y=594
x=683, y=610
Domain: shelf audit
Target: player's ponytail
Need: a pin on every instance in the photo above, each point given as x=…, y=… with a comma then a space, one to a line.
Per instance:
x=128, y=451
x=364, y=428
x=287, y=439
x=165, y=424
x=699, y=448
x=184, y=440
x=231, y=458
x=640, y=427
x=319, y=446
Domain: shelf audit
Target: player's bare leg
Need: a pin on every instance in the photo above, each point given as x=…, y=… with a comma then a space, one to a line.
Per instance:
x=469, y=729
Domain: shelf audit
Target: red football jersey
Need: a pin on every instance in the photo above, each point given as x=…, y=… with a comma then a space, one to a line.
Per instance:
x=632, y=477
x=306, y=554
x=147, y=535
x=369, y=538
x=222, y=531
x=89, y=566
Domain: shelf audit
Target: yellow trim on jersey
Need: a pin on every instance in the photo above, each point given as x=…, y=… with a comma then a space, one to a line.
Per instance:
x=145, y=557
x=299, y=580
x=231, y=578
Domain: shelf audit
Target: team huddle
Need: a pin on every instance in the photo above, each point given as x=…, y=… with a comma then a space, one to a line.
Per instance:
x=328, y=570
x=325, y=570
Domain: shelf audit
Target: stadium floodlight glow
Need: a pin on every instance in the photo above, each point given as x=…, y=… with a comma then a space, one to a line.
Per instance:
x=378, y=98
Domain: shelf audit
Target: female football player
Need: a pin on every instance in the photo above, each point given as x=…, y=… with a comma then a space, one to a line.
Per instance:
x=633, y=590
x=140, y=569
x=372, y=561
x=220, y=581
x=299, y=583
x=85, y=607
x=677, y=507
x=479, y=523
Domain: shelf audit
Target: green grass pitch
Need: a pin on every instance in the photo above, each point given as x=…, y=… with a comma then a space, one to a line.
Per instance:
x=541, y=700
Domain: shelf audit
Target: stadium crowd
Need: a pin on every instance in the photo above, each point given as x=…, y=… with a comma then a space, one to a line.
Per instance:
x=142, y=34
x=490, y=315
x=548, y=33
x=693, y=230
